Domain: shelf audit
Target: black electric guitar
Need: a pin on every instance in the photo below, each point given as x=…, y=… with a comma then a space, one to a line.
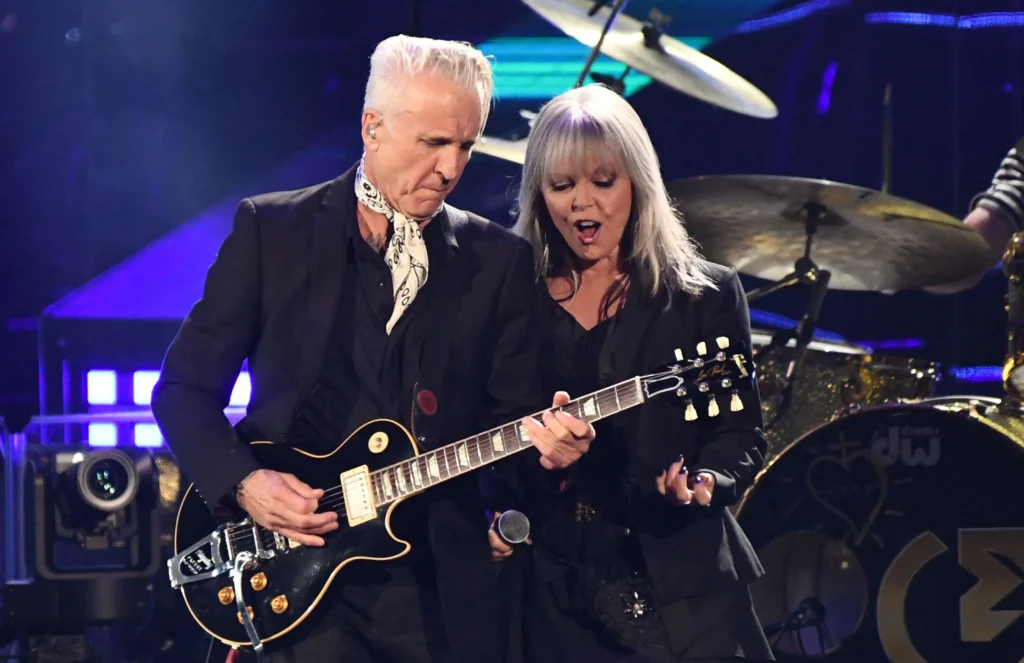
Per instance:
x=246, y=585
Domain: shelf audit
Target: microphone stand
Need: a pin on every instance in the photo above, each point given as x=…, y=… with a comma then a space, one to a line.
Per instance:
x=807, y=272
x=594, y=52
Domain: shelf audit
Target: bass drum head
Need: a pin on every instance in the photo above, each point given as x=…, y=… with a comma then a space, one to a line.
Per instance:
x=895, y=533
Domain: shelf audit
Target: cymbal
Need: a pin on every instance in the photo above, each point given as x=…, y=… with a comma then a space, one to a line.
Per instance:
x=672, y=62
x=868, y=240
x=510, y=150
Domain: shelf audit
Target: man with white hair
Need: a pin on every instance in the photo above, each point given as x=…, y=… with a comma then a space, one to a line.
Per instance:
x=351, y=301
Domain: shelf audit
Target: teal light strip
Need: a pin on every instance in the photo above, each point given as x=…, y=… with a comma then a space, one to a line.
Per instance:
x=541, y=67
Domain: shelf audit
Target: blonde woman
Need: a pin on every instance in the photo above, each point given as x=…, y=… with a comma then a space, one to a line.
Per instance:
x=635, y=556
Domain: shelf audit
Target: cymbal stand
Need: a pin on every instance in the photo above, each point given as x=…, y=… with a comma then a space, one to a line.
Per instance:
x=807, y=272
x=594, y=52
x=652, y=32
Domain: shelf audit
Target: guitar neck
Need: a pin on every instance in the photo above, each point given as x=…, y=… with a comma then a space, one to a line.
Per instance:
x=433, y=467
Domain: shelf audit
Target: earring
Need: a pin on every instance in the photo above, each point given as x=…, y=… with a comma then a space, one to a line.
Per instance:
x=372, y=131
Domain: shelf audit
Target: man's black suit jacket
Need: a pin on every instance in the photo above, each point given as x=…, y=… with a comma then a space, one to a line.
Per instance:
x=270, y=298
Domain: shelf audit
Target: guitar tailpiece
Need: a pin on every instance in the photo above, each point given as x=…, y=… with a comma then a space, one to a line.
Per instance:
x=242, y=560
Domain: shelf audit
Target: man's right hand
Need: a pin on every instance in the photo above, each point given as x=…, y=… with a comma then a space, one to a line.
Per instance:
x=283, y=504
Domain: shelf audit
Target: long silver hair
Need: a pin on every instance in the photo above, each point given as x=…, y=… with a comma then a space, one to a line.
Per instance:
x=576, y=125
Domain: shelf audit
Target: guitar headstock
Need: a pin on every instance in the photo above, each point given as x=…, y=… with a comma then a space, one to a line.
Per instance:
x=712, y=372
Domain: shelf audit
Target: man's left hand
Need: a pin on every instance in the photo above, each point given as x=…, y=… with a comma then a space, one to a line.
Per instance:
x=561, y=439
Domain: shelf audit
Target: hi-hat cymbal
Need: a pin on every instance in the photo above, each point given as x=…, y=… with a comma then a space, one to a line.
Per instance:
x=868, y=240
x=510, y=150
x=672, y=62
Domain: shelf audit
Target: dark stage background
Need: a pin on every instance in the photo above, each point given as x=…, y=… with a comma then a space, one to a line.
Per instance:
x=125, y=122
x=120, y=119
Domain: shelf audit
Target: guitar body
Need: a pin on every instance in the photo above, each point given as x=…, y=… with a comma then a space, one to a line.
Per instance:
x=303, y=574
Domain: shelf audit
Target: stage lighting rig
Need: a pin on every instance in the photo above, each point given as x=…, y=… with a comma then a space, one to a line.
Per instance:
x=83, y=532
x=105, y=503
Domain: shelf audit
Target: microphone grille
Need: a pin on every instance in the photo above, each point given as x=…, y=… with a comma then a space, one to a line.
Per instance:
x=513, y=527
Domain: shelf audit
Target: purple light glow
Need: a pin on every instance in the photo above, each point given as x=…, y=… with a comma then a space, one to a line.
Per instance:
x=972, y=22
x=102, y=435
x=101, y=387
x=148, y=436
x=894, y=344
x=142, y=386
x=827, y=79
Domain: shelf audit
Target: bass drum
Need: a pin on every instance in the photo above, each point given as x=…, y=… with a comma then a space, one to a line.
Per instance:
x=895, y=533
x=836, y=378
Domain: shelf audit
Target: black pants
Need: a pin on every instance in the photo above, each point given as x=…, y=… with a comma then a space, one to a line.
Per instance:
x=380, y=613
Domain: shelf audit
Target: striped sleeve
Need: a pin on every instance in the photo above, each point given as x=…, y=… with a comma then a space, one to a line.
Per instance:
x=1006, y=194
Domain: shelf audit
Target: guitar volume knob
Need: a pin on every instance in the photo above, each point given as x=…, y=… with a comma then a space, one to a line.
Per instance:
x=259, y=581
x=279, y=604
x=226, y=596
x=251, y=615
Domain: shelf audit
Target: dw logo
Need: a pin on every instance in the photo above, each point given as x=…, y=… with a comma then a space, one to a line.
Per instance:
x=911, y=445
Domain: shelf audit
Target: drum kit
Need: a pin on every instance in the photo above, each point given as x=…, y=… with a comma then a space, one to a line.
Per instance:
x=883, y=516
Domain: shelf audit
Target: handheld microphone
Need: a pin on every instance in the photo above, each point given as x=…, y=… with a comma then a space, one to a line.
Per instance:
x=513, y=527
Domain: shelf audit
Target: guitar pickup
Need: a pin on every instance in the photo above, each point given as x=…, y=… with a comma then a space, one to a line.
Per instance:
x=358, y=494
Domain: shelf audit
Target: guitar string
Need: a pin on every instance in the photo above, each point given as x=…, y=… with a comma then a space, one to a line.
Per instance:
x=241, y=533
x=605, y=398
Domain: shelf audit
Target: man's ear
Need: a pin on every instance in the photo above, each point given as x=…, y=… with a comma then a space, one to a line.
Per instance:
x=371, y=126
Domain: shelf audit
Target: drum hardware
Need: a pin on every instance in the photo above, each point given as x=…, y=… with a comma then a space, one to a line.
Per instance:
x=596, y=50
x=806, y=272
x=1013, y=268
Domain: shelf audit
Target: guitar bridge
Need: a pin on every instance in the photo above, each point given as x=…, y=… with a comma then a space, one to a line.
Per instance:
x=358, y=494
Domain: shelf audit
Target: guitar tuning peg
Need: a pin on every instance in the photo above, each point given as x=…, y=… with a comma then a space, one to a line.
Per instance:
x=713, y=407
x=679, y=354
x=723, y=342
x=720, y=356
x=681, y=391
x=735, y=404
x=726, y=383
x=691, y=412
x=702, y=348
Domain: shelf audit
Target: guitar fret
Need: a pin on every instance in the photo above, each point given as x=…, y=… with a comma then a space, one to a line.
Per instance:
x=453, y=459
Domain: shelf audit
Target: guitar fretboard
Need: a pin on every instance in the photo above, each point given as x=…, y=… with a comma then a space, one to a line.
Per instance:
x=431, y=468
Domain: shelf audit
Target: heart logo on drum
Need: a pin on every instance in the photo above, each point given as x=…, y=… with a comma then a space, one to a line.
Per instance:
x=852, y=488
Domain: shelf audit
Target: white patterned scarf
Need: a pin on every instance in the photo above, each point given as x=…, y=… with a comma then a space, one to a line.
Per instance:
x=406, y=253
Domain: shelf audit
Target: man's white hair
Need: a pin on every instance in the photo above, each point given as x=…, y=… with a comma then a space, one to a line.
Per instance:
x=399, y=58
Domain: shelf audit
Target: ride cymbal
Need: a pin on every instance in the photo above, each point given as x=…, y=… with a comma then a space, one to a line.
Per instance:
x=868, y=240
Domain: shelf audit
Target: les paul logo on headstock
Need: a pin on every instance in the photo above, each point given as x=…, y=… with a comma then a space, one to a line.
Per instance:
x=711, y=372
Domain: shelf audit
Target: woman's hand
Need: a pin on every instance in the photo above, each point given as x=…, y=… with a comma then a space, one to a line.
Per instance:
x=672, y=483
x=500, y=549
